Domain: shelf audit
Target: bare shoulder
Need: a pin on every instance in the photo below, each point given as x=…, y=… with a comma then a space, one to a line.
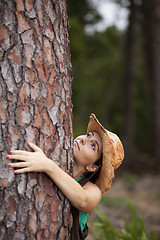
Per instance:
x=94, y=189
x=92, y=185
x=92, y=197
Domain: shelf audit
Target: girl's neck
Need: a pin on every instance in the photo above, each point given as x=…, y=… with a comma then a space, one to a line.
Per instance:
x=78, y=171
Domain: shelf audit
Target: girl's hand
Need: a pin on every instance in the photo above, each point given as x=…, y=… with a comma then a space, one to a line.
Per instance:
x=83, y=198
x=29, y=161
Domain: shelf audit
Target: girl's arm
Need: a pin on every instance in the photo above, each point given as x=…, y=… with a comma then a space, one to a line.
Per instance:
x=83, y=198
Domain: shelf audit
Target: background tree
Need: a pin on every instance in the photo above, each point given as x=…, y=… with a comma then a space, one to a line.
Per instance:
x=156, y=74
x=151, y=26
x=129, y=50
x=35, y=105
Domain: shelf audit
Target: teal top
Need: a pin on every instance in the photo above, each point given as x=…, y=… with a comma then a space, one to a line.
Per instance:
x=82, y=216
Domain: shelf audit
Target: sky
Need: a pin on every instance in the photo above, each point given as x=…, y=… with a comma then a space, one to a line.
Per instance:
x=112, y=14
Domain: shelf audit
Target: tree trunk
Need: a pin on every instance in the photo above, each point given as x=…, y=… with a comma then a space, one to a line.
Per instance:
x=151, y=28
x=35, y=105
x=129, y=84
x=155, y=8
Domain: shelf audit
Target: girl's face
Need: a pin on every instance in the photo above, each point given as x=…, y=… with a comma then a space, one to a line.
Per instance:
x=87, y=148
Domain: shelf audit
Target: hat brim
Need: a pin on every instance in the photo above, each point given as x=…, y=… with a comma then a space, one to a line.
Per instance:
x=107, y=170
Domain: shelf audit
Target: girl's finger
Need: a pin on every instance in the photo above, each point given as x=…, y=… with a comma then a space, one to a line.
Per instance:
x=18, y=165
x=34, y=147
x=17, y=157
x=19, y=152
x=23, y=170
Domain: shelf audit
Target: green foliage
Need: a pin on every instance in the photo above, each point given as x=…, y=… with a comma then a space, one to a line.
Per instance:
x=112, y=201
x=104, y=226
x=135, y=225
x=134, y=228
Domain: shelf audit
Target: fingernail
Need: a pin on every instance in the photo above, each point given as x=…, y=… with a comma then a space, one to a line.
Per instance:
x=15, y=172
x=29, y=141
x=9, y=165
x=10, y=152
x=7, y=157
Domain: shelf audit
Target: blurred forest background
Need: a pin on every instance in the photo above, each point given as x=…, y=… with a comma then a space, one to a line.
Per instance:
x=116, y=75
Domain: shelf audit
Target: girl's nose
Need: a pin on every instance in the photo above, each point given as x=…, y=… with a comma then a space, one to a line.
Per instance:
x=82, y=140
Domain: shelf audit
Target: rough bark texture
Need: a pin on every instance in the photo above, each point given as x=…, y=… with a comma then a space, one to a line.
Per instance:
x=35, y=105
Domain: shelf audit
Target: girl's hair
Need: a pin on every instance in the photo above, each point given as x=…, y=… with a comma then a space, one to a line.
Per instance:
x=93, y=176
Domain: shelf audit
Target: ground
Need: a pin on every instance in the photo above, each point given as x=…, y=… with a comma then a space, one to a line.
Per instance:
x=144, y=191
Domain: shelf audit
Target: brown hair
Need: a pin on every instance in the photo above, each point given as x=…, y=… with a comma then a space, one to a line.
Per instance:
x=93, y=176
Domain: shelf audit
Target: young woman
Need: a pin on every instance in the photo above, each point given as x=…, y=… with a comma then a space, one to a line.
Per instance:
x=96, y=155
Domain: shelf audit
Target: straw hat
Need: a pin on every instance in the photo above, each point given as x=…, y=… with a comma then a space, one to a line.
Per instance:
x=113, y=153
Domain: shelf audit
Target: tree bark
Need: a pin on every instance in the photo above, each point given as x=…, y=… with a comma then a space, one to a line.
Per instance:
x=129, y=85
x=155, y=45
x=35, y=105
